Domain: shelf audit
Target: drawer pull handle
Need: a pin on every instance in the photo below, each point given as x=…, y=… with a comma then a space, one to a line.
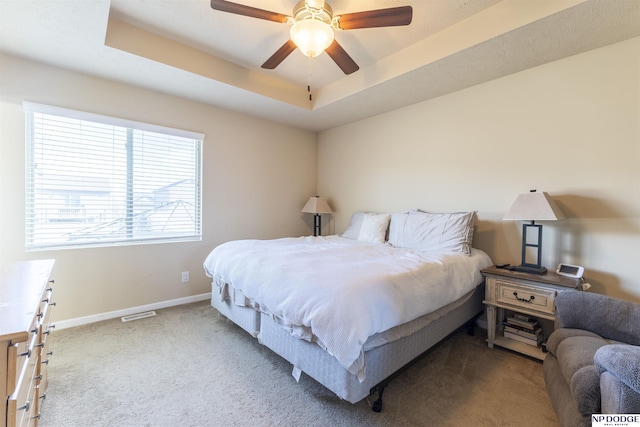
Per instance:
x=39, y=345
x=45, y=362
x=38, y=378
x=27, y=353
x=36, y=417
x=531, y=298
x=25, y=407
x=45, y=300
x=44, y=396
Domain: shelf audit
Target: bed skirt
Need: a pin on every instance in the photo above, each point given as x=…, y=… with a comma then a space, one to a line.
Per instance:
x=245, y=317
x=381, y=361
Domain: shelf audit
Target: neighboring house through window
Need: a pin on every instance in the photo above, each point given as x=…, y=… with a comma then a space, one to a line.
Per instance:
x=95, y=180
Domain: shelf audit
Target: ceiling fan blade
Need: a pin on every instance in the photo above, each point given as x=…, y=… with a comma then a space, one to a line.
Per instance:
x=342, y=58
x=253, y=12
x=280, y=55
x=391, y=17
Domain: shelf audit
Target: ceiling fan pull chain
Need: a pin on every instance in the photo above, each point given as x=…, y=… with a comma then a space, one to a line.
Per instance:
x=309, y=78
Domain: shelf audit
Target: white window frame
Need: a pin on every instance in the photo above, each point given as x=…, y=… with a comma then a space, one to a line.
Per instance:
x=183, y=230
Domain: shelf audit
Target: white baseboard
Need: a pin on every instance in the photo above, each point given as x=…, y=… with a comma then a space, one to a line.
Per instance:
x=64, y=324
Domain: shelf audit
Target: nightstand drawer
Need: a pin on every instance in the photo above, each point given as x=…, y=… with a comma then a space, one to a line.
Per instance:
x=518, y=295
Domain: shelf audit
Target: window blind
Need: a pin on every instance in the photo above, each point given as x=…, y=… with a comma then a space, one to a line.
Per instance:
x=95, y=180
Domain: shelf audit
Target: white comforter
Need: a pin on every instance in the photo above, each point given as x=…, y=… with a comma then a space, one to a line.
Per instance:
x=337, y=291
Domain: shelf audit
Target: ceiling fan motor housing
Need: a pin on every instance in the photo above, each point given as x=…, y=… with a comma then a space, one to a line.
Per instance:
x=301, y=11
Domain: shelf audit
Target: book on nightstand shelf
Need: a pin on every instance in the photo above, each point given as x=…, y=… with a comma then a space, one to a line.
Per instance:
x=525, y=329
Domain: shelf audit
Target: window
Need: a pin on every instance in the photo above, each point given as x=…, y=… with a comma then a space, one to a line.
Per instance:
x=95, y=180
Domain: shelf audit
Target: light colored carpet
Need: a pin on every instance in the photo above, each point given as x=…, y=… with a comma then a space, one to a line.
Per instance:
x=188, y=366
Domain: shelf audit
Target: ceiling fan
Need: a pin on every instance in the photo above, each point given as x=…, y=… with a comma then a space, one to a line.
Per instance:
x=312, y=26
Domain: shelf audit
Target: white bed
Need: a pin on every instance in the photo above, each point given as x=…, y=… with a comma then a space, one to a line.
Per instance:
x=351, y=310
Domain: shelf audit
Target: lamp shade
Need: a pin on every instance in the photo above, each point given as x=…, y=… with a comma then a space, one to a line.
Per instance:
x=317, y=205
x=534, y=206
x=312, y=36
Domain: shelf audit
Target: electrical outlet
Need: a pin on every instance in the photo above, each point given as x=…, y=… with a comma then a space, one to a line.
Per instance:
x=185, y=276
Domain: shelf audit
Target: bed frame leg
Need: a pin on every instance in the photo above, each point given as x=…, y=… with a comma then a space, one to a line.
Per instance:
x=377, y=405
x=471, y=326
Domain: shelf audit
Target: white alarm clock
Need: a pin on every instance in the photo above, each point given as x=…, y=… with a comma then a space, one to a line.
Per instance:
x=569, y=270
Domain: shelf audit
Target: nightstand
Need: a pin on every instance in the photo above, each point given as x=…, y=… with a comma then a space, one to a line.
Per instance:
x=516, y=296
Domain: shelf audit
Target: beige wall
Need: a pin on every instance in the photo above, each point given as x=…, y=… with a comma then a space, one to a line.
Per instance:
x=570, y=128
x=257, y=175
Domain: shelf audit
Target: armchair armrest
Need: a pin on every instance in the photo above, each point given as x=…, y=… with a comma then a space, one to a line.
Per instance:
x=622, y=361
x=619, y=369
x=609, y=317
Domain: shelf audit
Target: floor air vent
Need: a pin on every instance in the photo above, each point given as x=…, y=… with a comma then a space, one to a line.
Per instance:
x=137, y=316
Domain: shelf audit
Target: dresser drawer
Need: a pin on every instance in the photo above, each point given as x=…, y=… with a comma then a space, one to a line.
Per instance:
x=532, y=298
x=18, y=355
x=21, y=405
x=23, y=413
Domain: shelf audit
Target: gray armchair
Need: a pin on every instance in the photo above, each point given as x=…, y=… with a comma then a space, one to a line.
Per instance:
x=593, y=360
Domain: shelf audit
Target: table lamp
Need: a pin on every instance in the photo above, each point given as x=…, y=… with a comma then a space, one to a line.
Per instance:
x=317, y=205
x=533, y=206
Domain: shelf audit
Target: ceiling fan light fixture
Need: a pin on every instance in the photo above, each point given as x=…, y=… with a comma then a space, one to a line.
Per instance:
x=312, y=36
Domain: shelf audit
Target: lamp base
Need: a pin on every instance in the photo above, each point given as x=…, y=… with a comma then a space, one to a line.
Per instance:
x=530, y=269
x=317, y=225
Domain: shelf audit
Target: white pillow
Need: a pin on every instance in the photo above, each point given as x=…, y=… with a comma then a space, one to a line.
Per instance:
x=433, y=232
x=353, y=229
x=396, y=229
x=374, y=228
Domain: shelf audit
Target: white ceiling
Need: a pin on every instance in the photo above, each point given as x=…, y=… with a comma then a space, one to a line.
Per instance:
x=185, y=48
